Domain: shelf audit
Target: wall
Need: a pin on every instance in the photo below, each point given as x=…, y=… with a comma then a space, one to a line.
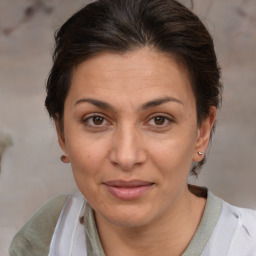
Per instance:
x=31, y=169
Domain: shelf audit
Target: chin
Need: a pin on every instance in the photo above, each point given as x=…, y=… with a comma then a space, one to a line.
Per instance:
x=129, y=222
x=128, y=216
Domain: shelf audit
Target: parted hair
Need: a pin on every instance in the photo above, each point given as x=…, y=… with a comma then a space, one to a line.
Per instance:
x=121, y=26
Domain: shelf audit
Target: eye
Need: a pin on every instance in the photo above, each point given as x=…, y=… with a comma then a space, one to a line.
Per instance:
x=95, y=121
x=160, y=120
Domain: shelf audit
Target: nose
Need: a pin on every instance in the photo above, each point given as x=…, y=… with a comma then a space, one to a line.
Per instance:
x=127, y=149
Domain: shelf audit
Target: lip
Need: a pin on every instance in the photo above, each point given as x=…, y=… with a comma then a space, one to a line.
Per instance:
x=128, y=190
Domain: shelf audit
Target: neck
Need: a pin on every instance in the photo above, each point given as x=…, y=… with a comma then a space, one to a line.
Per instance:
x=169, y=233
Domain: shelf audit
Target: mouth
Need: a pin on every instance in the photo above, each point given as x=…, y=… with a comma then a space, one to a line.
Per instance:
x=128, y=190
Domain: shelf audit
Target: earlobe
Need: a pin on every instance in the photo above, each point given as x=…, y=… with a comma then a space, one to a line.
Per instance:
x=60, y=134
x=61, y=139
x=204, y=135
x=64, y=159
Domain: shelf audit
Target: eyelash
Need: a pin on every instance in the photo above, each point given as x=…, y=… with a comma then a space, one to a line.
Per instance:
x=167, y=118
x=86, y=120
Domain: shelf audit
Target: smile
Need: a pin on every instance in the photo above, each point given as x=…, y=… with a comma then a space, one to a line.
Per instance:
x=128, y=190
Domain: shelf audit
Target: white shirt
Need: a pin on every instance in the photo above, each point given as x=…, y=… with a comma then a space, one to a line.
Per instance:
x=224, y=230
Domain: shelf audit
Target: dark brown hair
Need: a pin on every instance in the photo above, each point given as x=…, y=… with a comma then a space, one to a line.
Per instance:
x=125, y=25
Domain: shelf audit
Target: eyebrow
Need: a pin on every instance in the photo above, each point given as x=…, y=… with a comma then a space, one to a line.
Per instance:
x=97, y=103
x=160, y=101
x=153, y=103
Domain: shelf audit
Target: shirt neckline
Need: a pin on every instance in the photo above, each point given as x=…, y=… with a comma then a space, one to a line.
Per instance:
x=207, y=224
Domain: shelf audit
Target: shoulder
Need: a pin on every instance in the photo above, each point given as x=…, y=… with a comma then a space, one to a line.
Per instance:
x=234, y=233
x=34, y=237
x=247, y=218
x=243, y=231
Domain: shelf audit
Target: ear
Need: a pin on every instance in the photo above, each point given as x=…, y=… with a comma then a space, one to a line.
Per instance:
x=203, y=135
x=60, y=134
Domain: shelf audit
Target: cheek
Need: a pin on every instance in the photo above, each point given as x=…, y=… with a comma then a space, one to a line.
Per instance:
x=86, y=156
x=173, y=156
x=86, y=163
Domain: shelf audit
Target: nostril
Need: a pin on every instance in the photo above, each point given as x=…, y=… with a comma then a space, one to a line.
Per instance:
x=127, y=150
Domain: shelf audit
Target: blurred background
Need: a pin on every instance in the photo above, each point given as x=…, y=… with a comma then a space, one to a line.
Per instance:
x=31, y=171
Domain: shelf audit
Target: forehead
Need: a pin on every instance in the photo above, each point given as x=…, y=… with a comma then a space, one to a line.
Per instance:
x=141, y=72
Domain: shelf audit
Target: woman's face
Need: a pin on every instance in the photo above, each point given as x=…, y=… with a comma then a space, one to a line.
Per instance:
x=131, y=134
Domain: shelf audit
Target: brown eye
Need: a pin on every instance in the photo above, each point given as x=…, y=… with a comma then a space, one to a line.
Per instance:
x=98, y=120
x=96, y=123
x=95, y=120
x=159, y=120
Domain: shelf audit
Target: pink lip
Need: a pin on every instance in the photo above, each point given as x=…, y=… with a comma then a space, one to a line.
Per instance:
x=128, y=190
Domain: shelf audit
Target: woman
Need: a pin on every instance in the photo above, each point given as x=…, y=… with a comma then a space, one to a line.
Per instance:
x=133, y=91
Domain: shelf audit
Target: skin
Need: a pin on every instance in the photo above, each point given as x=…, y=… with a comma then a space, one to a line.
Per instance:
x=127, y=142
